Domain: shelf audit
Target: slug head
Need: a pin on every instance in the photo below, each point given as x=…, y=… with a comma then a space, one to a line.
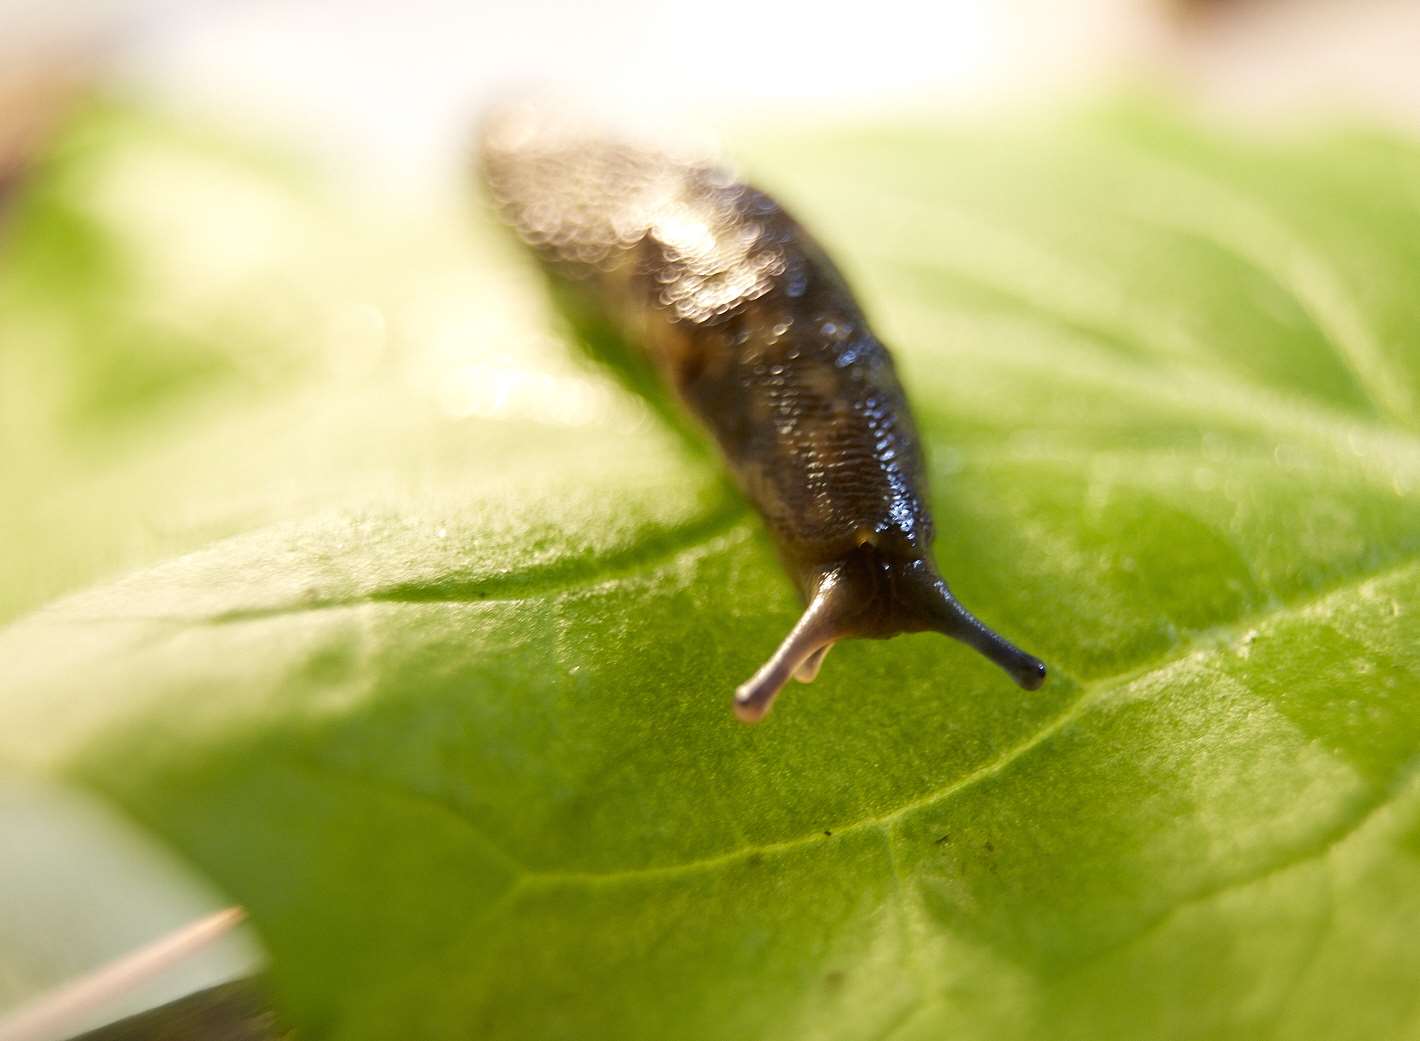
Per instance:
x=877, y=590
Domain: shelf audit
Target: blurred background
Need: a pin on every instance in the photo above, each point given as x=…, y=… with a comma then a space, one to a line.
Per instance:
x=211, y=208
x=388, y=91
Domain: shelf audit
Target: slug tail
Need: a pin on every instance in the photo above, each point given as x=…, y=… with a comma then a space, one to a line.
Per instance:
x=799, y=656
x=950, y=618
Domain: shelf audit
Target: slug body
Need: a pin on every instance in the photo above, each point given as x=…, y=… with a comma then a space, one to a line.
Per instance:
x=753, y=328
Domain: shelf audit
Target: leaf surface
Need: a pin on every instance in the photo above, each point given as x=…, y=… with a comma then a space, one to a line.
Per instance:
x=447, y=709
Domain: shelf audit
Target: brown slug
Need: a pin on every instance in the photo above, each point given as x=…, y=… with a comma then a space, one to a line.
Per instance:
x=753, y=328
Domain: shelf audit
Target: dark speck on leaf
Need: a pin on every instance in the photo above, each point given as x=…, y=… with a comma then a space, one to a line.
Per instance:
x=990, y=848
x=834, y=980
x=828, y=833
x=942, y=841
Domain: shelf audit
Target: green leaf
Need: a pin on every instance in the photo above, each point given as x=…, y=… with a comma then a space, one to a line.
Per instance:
x=449, y=710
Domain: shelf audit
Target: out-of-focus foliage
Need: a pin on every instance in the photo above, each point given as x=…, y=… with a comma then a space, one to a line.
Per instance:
x=156, y=282
x=448, y=710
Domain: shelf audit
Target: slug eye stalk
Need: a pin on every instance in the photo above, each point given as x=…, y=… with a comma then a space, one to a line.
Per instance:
x=877, y=601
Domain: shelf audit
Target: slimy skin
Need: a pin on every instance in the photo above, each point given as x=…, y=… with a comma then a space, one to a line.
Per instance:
x=755, y=331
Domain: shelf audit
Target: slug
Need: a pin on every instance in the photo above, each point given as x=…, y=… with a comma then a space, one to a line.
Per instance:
x=755, y=331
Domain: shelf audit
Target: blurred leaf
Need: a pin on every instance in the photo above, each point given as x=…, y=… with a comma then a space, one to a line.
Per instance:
x=454, y=724
x=237, y=1011
x=159, y=284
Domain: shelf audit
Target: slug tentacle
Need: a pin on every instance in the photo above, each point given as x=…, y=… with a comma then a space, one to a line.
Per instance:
x=801, y=652
x=872, y=593
x=749, y=324
x=960, y=624
x=808, y=671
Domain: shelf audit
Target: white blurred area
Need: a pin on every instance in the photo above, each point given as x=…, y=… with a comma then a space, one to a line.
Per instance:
x=390, y=89
x=80, y=889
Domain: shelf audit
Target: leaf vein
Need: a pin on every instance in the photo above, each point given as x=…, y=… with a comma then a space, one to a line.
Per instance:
x=1091, y=692
x=1304, y=854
